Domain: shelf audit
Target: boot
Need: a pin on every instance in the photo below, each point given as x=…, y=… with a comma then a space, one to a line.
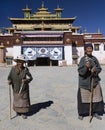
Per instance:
x=18, y=114
x=80, y=117
x=24, y=116
x=97, y=116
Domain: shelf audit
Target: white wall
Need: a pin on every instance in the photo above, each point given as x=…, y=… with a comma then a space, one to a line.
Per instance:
x=68, y=54
x=16, y=52
x=9, y=51
x=100, y=54
x=80, y=52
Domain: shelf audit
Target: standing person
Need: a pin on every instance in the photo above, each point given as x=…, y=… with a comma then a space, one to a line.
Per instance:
x=89, y=68
x=20, y=77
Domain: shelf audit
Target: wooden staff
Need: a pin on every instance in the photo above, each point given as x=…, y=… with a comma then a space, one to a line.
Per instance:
x=10, y=100
x=21, y=88
x=22, y=82
x=91, y=99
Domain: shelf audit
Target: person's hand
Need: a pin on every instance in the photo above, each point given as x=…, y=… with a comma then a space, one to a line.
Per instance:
x=24, y=81
x=88, y=65
x=93, y=70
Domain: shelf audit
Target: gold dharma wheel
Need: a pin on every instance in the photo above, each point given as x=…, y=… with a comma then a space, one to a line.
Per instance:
x=68, y=40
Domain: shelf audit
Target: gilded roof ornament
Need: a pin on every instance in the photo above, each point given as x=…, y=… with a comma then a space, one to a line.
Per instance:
x=99, y=31
x=42, y=4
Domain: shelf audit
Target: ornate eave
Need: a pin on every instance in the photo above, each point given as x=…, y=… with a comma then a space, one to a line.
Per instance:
x=42, y=9
x=13, y=20
x=42, y=12
x=74, y=27
x=27, y=9
x=59, y=9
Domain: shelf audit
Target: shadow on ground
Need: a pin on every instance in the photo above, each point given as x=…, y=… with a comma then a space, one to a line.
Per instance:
x=37, y=107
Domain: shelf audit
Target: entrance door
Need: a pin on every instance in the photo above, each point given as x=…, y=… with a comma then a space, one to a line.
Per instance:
x=43, y=61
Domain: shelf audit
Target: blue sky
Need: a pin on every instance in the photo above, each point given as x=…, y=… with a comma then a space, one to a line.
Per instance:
x=90, y=13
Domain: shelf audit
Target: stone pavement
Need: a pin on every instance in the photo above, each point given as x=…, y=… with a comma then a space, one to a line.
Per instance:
x=53, y=94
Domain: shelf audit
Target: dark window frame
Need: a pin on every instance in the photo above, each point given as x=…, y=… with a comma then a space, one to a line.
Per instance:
x=96, y=47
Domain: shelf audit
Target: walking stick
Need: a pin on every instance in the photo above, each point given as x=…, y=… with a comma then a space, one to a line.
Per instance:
x=21, y=88
x=91, y=99
x=10, y=99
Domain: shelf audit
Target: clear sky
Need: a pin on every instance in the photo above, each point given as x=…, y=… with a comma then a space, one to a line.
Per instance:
x=90, y=13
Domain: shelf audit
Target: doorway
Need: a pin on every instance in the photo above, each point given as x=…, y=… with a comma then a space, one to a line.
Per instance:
x=43, y=61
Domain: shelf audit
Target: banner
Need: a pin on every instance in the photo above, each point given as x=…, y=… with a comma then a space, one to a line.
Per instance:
x=32, y=53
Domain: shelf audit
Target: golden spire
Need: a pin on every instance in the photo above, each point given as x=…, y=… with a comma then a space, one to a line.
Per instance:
x=85, y=30
x=42, y=4
x=58, y=4
x=99, y=30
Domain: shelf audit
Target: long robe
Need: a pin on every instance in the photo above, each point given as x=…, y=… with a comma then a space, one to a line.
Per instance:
x=21, y=101
x=84, y=90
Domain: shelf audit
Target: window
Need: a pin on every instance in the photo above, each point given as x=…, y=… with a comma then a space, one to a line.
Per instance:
x=96, y=47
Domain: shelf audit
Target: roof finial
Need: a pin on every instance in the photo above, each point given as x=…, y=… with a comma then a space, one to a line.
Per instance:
x=42, y=4
x=26, y=6
x=58, y=4
x=99, y=30
x=85, y=30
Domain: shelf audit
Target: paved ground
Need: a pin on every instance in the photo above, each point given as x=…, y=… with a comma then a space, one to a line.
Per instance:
x=53, y=94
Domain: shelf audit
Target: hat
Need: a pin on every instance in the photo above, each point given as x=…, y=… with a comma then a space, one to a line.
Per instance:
x=88, y=45
x=20, y=58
